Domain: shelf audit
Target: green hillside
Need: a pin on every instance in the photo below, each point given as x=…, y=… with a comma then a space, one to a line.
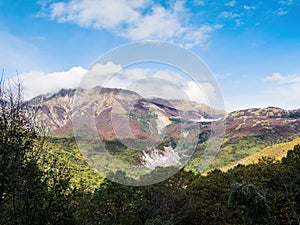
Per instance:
x=67, y=153
x=65, y=149
x=274, y=152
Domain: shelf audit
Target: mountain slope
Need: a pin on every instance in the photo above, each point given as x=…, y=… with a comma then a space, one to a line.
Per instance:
x=251, y=130
x=115, y=106
x=125, y=115
x=274, y=152
x=147, y=125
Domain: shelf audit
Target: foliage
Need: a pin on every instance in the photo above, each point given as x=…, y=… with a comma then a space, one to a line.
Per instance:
x=67, y=153
x=257, y=211
x=28, y=194
x=41, y=183
x=273, y=152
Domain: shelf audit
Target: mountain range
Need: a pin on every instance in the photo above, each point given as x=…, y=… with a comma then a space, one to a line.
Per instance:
x=125, y=115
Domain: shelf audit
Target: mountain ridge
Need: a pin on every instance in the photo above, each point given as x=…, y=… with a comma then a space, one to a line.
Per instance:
x=56, y=110
x=129, y=115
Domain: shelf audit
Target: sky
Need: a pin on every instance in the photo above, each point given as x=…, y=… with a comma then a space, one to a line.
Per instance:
x=251, y=47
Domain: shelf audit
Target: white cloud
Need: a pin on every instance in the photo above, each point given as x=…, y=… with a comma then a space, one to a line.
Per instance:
x=275, y=77
x=199, y=36
x=236, y=17
x=97, y=13
x=223, y=76
x=247, y=7
x=286, y=2
x=99, y=75
x=230, y=15
x=283, y=96
x=164, y=84
x=161, y=24
x=231, y=3
x=199, y=2
x=135, y=20
x=36, y=83
x=238, y=22
x=277, y=90
x=203, y=92
x=147, y=82
x=279, y=78
x=281, y=12
x=285, y=6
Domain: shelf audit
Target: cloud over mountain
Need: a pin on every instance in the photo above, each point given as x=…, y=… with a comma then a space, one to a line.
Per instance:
x=159, y=83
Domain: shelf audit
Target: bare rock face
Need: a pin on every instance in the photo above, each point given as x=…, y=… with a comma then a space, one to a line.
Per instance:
x=155, y=158
x=53, y=111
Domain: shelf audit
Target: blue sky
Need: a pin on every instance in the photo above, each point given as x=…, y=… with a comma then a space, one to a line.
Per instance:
x=252, y=47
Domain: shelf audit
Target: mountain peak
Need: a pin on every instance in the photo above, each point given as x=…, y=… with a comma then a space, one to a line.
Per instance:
x=64, y=92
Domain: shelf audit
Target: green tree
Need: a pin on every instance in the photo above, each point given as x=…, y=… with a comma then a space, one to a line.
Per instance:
x=256, y=208
x=114, y=203
x=19, y=173
x=29, y=193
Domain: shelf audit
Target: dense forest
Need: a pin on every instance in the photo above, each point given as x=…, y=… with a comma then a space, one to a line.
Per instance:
x=37, y=188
